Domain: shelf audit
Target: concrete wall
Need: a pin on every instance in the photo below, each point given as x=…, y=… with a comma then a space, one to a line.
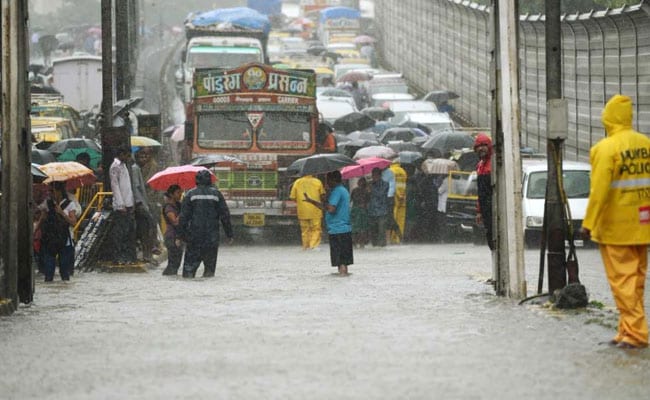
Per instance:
x=445, y=44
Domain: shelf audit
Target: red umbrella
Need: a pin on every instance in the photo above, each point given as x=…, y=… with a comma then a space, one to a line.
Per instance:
x=354, y=76
x=183, y=176
x=366, y=165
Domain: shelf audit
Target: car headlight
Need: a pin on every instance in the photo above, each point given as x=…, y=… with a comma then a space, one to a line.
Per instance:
x=534, y=222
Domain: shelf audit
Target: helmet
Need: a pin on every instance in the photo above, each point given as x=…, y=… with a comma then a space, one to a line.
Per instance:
x=203, y=177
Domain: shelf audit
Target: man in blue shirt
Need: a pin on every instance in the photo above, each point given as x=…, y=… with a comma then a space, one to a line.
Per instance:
x=378, y=209
x=337, y=219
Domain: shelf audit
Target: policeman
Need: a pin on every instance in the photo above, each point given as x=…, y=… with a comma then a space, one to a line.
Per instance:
x=202, y=209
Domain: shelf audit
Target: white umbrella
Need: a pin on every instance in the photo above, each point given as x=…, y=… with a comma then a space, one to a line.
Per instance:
x=375, y=151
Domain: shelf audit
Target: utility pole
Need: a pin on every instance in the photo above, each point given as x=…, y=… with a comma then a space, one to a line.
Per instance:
x=556, y=131
x=511, y=279
x=122, y=52
x=16, y=272
x=107, y=83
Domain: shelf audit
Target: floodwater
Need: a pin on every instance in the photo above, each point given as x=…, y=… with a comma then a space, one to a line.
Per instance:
x=412, y=321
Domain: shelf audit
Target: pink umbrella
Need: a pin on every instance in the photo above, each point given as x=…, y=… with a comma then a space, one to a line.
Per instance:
x=183, y=176
x=366, y=165
x=364, y=39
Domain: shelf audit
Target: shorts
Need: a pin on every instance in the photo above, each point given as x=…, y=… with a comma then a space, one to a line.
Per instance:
x=341, y=249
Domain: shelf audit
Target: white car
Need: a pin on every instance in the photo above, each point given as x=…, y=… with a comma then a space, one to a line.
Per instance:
x=382, y=99
x=434, y=121
x=332, y=108
x=576, y=179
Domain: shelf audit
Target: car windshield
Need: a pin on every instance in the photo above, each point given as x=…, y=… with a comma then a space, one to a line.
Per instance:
x=576, y=184
x=286, y=131
x=226, y=130
x=222, y=57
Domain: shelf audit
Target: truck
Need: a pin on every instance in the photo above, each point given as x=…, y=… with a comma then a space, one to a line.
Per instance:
x=338, y=24
x=265, y=117
x=222, y=38
x=79, y=80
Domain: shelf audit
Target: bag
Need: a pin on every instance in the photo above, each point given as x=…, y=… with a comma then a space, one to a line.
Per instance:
x=54, y=229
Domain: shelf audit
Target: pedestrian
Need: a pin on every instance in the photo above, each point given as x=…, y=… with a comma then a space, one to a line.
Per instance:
x=359, y=214
x=123, y=208
x=618, y=216
x=388, y=176
x=359, y=95
x=337, y=219
x=173, y=240
x=309, y=217
x=378, y=209
x=483, y=148
x=145, y=230
x=201, y=210
x=399, y=200
x=59, y=215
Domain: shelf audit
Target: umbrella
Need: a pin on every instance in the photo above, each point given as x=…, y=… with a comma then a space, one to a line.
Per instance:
x=354, y=76
x=364, y=135
x=409, y=157
x=212, y=159
x=334, y=92
x=415, y=125
x=354, y=121
x=71, y=155
x=440, y=96
x=467, y=161
x=183, y=176
x=403, y=146
x=144, y=141
x=319, y=164
x=376, y=151
x=381, y=126
x=393, y=134
x=38, y=176
x=316, y=50
x=71, y=172
x=124, y=105
x=341, y=138
x=170, y=130
x=446, y=141
x=179, y=134
x=364, y=167
x=378, y=113
x=350, y=148
x=42, y=156
x=76, y=143
x=438, y=166
x=364, y=39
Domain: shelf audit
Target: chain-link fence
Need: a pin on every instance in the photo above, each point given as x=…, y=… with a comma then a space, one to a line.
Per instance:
x=445, y=44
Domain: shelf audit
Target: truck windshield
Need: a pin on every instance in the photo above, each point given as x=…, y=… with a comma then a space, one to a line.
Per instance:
x=222, y=56
x=226, y=130
x=287, y=131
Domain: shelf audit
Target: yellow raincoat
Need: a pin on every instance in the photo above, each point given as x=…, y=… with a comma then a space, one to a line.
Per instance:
x=309, y=216
x=399, y=211
x=618, y=215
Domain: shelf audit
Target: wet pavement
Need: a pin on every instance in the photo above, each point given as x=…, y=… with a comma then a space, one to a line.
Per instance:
x=412, y=321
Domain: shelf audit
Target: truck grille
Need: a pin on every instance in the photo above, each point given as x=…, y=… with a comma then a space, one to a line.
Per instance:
x=248, y=184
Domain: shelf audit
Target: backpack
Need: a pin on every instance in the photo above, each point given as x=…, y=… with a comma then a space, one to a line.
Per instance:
x=54, y=229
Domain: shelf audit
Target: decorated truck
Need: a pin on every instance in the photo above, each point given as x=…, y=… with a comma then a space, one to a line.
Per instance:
x=265, y=117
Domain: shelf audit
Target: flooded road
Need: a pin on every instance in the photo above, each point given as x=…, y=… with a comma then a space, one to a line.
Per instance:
x=412, y=321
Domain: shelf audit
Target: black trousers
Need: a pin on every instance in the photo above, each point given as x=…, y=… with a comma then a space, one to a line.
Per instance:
x=174, y=256
x=124, y=236
x=197, y=253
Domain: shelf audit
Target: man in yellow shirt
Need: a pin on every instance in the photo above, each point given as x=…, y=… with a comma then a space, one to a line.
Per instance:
x=309, y=216
x=399, y=210
x=618, y=216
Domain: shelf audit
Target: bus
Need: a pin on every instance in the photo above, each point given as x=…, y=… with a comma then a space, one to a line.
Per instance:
x=265, y=117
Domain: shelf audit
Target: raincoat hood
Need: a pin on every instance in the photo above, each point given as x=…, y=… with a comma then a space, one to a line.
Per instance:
x=482, y=139
x=617, y=114
x=203, y=178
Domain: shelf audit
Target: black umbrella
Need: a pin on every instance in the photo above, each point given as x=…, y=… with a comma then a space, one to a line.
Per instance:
x=319, y=164
x=124, y=105
x=447, y=141
x=76, y=143
x=212, y=159
x=354, y=121
x=467, y=161
x=38, y=176
x=413, y=124
x=440, y=96
x=409, y=157
x=357, y=144
x=378, y=113
x=393, y=134
x=42, y=156
x=316, y=50
x=404, y=146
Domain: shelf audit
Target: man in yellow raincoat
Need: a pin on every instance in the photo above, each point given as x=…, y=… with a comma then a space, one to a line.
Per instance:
x=399, y=210
x=618, y=216
x=309, y=216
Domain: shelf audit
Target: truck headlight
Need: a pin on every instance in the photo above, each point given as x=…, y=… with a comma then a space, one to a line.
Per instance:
x=534, y=222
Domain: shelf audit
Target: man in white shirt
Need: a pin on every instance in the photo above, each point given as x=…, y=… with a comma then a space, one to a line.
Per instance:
x=123, y=211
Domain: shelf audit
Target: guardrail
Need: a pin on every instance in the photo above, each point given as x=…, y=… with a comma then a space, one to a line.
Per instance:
x=444, y=44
